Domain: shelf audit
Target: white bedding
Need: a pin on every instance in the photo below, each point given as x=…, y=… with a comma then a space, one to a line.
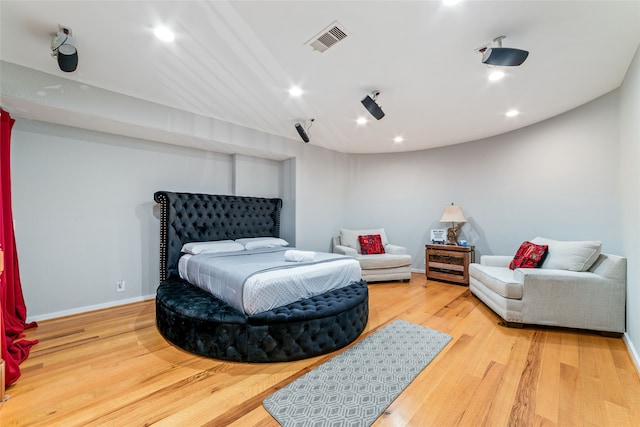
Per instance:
x=273, y=288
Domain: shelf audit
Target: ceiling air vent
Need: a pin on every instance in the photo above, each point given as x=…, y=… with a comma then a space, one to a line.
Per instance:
x=328, y=37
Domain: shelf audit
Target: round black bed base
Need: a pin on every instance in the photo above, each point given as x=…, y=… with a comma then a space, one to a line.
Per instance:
x=200, y=323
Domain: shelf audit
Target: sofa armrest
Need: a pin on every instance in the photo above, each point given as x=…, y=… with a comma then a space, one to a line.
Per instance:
x=572, y=299
x=495, y=260
x=344, y=250
x=395, y=250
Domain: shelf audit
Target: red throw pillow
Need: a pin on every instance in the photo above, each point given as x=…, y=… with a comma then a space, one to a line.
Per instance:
x=371, y=244
x=529, y=255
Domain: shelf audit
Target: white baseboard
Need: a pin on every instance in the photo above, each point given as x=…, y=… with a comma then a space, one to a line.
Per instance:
x=88, y=308
x=632, y=351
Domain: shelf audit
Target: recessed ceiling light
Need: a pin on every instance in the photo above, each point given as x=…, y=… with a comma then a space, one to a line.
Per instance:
x=362, y=120
x=398, y=139
x=512, y=113
x=450, y=2
x=496, y=75
x=164, y=34
x=295, y=91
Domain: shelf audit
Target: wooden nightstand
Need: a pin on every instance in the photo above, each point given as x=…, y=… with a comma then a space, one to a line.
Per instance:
x=449, y=263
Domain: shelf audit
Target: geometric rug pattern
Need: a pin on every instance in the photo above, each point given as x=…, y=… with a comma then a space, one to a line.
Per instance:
x=356, y=386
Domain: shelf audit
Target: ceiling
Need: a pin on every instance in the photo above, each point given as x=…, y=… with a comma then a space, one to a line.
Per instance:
x=236, y=60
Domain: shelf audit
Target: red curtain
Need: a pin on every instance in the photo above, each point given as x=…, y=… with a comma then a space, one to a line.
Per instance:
x=14, y=312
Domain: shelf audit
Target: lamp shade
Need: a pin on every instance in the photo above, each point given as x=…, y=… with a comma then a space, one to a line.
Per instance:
x=452, y=213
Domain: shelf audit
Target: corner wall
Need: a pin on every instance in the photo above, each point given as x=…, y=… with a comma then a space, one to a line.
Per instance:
x=630, y=186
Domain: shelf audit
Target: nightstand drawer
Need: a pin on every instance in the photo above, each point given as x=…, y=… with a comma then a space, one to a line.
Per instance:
x=450, y=258
x=449, y=263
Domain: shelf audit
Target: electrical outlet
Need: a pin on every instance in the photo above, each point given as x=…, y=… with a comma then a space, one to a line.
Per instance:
x=63, y=29
x=120, y=286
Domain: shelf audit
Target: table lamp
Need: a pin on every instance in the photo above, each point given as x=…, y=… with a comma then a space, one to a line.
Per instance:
x=453, y=214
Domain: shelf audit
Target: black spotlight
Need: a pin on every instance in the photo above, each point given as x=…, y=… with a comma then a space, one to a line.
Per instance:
x=302, y=131
x=502, y=56
x=372, y=106
x=67, y=58
x=62, y=47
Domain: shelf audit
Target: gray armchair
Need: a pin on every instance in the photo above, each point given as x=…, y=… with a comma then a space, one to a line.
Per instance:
x=393, y=264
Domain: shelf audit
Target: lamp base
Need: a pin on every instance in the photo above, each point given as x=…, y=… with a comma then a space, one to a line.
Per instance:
x=452, y=235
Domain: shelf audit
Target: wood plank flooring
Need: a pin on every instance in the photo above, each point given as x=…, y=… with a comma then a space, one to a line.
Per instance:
x=112, y=368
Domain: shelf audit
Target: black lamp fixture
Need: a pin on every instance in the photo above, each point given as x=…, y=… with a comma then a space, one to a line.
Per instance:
x=62, y=47
x=372, y=106
x=303, y=129
x=502, y=56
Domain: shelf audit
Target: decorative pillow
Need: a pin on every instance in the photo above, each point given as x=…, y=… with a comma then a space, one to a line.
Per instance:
x=371, y=244
x=195, y=248
x=529, y=255
x=349, y=238
x=262, y=242
x=570, y=255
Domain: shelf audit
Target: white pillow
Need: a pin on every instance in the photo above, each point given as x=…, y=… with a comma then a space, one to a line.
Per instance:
x=195, y=248
x=569, y=255
x=262, y=242
x=349, y=238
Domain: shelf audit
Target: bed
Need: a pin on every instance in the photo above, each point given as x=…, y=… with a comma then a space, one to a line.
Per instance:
x=195, y=320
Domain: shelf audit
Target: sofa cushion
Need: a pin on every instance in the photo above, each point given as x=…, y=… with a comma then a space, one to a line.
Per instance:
x=529, y=255
x=349, y=238
x=569, y=255
x=499, y=279
x=371, y=244
x=369, y=262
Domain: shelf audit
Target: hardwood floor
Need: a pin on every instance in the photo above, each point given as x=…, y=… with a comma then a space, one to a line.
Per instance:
x=112, y=367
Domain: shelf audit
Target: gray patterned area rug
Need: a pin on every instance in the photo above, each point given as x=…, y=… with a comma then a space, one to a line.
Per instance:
x=356, y=386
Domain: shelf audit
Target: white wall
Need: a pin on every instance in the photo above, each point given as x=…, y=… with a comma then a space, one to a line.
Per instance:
x=558, y=179
x=84, y=211
x=256, y=177
x=320, y=193
x=630, y=187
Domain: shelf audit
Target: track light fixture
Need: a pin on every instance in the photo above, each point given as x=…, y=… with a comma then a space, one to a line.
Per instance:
x=303, y=129
x=372, y=106
x=62, y=47
x=502, y=56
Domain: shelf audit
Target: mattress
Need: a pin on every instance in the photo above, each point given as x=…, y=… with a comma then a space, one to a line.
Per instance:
x=266, y=280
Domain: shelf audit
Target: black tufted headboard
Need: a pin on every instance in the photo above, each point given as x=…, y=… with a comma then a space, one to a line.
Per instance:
x=187, y=217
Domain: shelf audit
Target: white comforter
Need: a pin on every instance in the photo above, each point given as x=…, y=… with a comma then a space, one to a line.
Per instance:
x=272, y=287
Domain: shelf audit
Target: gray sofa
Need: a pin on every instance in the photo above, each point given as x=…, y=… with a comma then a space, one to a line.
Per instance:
x=394, y=264
x=576, y=286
